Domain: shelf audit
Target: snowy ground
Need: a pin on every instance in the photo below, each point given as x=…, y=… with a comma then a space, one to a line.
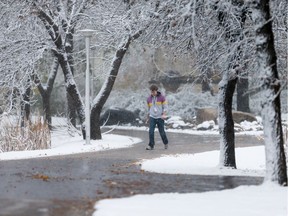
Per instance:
x=63, y=144
x=265, y=200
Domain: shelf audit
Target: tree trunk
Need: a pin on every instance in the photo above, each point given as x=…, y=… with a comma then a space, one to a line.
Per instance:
x=206, y=83
x=47, y=110
x=45, y=92
x=226, y=123
x=71, y=108
x=106, y=89
x=227, y=85
x=71, y=87
x=95, y=123
x=25, y=104
x=242, y=95
x=276, y=168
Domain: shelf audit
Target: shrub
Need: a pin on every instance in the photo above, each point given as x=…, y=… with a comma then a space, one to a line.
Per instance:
x=34, y=135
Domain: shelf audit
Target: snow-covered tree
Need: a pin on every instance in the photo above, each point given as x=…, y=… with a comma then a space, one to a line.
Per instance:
x=22, y=45
x=212, y=33
x=116, y=31
x=270, y=84
x=231, y=16
x=193, y=26
x=60, y=19
x=45, y=90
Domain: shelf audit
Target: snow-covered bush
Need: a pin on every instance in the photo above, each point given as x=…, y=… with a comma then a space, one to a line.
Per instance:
x=182, y=103
x=207, y=125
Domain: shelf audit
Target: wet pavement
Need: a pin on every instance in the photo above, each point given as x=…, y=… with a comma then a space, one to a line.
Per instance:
x=70, y=185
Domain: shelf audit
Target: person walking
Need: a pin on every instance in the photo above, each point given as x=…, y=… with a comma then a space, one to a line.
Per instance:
x=157, y=112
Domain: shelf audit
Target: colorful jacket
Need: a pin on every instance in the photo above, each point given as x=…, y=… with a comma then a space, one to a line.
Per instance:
x=157, y=105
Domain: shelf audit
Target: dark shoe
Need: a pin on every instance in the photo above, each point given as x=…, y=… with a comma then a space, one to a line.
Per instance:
x=166, y=146
x=149, y=148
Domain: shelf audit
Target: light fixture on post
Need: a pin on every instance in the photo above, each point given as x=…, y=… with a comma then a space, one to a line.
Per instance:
x=87, y=33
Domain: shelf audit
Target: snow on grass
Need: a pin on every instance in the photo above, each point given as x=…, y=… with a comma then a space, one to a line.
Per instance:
x=65, y=145
x=250, y=162
x=265, y=200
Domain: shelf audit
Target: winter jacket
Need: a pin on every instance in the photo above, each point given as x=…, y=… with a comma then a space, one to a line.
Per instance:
x=157, y=105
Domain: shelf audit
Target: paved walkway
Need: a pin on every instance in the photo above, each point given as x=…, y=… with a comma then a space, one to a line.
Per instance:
x=70, y=185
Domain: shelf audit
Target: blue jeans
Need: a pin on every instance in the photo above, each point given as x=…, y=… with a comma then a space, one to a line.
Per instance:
x=160, y=124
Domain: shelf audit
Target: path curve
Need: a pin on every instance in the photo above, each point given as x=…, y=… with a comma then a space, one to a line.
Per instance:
x=70, y=185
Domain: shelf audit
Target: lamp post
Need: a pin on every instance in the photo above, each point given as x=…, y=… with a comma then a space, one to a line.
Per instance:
x=87, y=33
